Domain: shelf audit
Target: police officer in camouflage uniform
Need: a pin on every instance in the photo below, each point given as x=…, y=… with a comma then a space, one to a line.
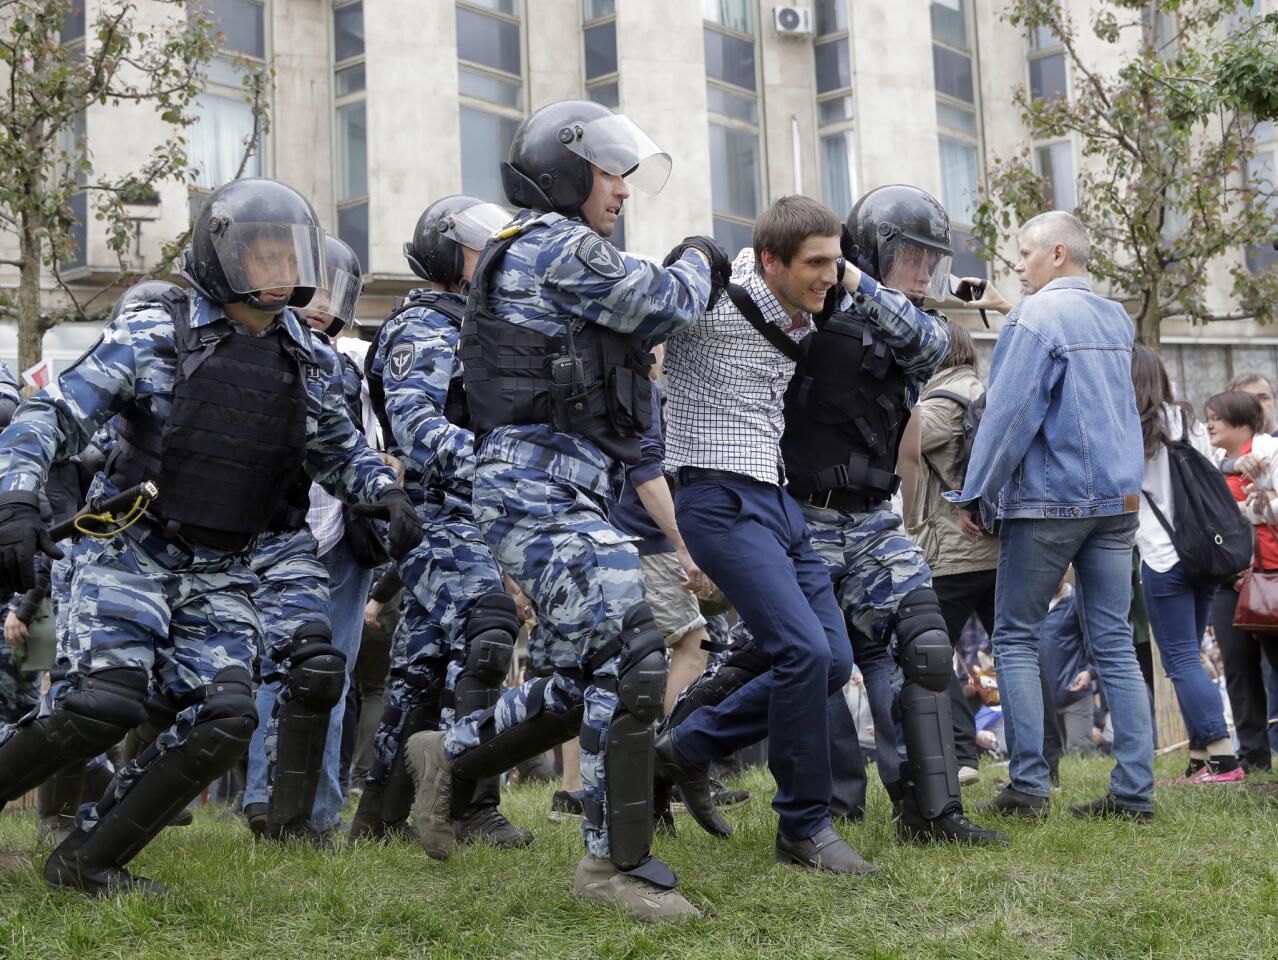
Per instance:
x=222, y=397
x=554, y=347
x=302, y=670
x=453, y=646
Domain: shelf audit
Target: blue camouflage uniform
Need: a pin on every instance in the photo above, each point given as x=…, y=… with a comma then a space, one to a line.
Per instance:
x=144, y=598
x=10, y=389
x=872, y=563
x=452, y=567
x=541, y=497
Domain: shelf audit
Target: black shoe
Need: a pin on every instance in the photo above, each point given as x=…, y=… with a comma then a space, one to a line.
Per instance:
x=566, y=805
x=64, y=870
x=1010, y=802
x=950, y=827
x=183, y=818
x=487, y=825
x=663, y=820
x=825, y=851
x=1109, y=808
x=256, y=816
x=694, y=786
x=727, y=796
x=301, y=832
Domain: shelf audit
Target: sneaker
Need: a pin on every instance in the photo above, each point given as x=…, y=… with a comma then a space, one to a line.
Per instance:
x=1012, y=802
x=968, y=776
x=487, y=825
x=1205, y=774
x=432, y=793
x=599, y=880
x=566, y=805
x=1109, y=808
x=950, y=827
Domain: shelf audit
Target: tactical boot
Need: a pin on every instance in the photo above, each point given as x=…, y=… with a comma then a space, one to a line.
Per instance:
x=66, y=870
x=599, y=879
x=368, y=823
x=694, y=786
x=484, y=824
x=950, y=827
x=567, y=805
x=432, y=793
x=255, y=815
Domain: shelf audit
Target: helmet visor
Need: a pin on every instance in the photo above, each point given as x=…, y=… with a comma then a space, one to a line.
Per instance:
x=270, y=256
x=474, y=226
x=339, y=298
x=916, y=269
x=616, y=145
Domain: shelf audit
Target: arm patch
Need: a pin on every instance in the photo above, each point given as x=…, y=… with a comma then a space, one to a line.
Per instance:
x=599, y=256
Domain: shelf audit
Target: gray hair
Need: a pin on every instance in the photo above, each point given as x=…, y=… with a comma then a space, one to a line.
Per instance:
x=1247, y=379
x=1056, y=226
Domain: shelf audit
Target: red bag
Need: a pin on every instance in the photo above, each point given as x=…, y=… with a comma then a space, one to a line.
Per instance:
x=1257, y=610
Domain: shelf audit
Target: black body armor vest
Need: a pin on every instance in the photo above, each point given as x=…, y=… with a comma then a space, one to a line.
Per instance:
x=456, y=410
x=845, y=412
x=593, y=382
x=235, y=440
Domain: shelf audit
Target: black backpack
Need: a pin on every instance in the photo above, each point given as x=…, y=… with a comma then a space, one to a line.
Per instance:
x=973, y=411
x=1212, y=538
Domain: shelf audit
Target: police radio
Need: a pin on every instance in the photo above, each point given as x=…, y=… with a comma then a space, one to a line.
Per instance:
x=569, y=411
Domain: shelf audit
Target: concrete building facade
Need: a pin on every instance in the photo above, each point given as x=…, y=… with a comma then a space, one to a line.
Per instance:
x=381, y=106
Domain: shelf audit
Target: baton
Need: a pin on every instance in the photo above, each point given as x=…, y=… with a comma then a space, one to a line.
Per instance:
x=96, y=509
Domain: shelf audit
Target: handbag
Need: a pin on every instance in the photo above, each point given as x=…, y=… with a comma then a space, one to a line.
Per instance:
x=1257, y=610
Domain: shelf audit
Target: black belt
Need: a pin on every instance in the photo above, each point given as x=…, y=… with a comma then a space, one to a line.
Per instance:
x=686, y=475
x=844, y=501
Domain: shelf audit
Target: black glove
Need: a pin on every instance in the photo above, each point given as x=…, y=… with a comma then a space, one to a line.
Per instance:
x=22, y=533
x=393, y=506
x=720, y=265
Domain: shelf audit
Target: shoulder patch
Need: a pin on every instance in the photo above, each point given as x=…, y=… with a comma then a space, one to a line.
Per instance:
x=400, y=361
x=599, y=256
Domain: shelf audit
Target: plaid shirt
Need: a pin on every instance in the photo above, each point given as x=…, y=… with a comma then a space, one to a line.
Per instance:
x=725, y=386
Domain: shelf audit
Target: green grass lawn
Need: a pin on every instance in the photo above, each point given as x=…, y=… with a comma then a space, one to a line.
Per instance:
x=1200, y=882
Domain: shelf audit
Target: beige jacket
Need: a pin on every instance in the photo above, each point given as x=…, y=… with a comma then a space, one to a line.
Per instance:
x=934, y=522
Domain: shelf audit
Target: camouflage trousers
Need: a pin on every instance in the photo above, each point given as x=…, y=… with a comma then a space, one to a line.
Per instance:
x=19, y=691
x=292, y=591
x=873, y=566
x=443, y=577
x=140, y=599
x=554, y=540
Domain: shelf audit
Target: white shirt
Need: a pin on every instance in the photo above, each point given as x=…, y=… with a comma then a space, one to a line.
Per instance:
x=725, y=386
x=1152, y=540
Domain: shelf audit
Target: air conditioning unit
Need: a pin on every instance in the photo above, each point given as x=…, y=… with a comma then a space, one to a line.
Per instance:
x=793, y=21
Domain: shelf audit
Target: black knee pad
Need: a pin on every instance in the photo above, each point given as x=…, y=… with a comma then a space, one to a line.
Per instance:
x=923, y=643
x=229, y=696
x=490, y=631
x=641, y=674
x=113, y=697
x=316, y=669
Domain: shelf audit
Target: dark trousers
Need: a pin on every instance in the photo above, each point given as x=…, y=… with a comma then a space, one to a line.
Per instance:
x=1244, y=679
x=962, y=595
x=749, y=537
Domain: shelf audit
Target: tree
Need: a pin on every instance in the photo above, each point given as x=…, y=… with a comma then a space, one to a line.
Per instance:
x=1168, y=186
x=47, y=88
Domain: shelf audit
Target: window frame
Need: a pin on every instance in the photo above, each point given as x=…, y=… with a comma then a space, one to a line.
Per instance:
x=342, y=205
x=591, y=84
x=755, y=129
x=518, y=19
x=957, y=134
x=1035, y=52
x=846, y=124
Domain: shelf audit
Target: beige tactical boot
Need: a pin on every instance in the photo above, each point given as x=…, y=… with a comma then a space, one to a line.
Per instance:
x=432, y=793
x=598, y=879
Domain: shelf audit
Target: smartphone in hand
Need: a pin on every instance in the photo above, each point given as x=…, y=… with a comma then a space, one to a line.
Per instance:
x=967, y=291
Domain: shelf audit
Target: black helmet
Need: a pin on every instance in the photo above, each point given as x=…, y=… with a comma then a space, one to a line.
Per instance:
x=553, y=150
x=447, y=225
x=254, y=235
x=889, y=221
x=146, y=291
x=345, y=281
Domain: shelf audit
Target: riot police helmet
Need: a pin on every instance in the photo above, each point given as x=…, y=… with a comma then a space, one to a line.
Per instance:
x=145, y=291
x=443, y=229
x=901, y=237
x=335, y=301
x=254, y=237
x=553, y=151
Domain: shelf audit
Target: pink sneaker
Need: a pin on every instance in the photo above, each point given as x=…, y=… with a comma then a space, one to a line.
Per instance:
x=1205, y=775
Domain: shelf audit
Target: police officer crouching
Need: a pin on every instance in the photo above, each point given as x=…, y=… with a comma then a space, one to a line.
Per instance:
x=222, y=399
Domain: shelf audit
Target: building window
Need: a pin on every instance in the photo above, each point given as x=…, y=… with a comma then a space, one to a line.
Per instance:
x=958, y=124
x=731, y=94
x=1046, y=65
x=71, y=139
x=350, y=128
x=599, y=33
x=834, y=106
x=1055, y=162
x=490, y=79
x=224, y=120
x=1261, y=170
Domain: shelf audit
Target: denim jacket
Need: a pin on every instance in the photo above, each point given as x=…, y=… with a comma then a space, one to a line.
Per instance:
x=1061, y=436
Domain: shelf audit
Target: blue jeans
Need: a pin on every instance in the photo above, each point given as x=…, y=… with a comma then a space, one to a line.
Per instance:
x=1178, y=615
x=348, y=587
x=1032, y=561
x=750, y=538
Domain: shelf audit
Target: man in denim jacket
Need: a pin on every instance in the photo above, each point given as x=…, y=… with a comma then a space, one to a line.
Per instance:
x=1059, y=460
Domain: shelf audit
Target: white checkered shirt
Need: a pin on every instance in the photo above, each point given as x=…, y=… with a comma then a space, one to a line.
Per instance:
x=725, y=386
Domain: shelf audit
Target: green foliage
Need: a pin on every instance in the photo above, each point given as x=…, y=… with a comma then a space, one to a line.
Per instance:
x=1166, y=139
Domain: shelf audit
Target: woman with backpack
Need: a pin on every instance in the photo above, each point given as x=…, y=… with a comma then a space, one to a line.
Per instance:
x=1179, y=603
x=1235, y=424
